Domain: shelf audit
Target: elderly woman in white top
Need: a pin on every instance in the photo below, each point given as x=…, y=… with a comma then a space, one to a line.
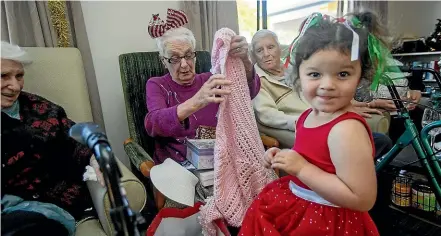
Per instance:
x=408, y=90
x=277, y=106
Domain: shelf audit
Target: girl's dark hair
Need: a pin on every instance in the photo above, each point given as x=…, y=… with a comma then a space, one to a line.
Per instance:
x=329, y=34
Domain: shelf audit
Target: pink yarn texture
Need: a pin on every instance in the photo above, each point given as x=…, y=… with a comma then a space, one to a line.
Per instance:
x=239, y=174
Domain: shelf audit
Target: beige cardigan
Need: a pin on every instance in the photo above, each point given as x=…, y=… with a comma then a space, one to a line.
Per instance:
x=277, y=105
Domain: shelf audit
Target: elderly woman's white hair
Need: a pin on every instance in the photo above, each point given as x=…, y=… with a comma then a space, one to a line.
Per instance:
x=180, y=34
x=263, y=33
x=15, y=53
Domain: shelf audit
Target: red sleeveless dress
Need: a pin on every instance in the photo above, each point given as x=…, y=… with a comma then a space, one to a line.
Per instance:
x=278, y=211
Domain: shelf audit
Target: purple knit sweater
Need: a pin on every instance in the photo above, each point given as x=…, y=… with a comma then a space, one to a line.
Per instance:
x=161, y=122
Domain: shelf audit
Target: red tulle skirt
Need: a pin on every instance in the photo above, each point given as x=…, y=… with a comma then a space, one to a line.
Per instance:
x=277, y=211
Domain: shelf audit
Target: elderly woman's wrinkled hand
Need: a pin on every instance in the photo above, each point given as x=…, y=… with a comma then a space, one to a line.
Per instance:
x=212, y=91
x=413, y=96
x=367, y=112
x=388, y=105
x=364, y=110
x=239, y=47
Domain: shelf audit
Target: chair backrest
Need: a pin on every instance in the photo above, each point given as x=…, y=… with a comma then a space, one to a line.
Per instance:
x=136, y=68
x=57, y=74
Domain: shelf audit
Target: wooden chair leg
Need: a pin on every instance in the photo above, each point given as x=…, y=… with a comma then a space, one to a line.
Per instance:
x=269, y=142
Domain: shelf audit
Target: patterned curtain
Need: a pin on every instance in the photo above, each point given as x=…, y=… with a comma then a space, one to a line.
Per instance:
x=27, y=23
x=206, y=17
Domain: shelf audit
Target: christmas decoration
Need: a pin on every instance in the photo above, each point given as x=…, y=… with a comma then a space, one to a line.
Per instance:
x=434, y=40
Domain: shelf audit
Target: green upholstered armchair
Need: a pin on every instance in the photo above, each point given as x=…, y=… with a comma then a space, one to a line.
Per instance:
x=136, y=68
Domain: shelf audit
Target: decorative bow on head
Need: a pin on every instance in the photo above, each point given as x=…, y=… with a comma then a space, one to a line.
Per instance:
x=175, y=19
x=378, y=52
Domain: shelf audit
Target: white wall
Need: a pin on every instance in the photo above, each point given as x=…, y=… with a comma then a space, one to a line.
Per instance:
x=413, y=18
x=114, y=28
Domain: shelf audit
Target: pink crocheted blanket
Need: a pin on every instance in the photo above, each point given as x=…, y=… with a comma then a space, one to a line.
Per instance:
x=239, y=174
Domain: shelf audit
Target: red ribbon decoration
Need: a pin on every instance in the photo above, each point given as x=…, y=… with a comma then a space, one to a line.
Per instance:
x=175, y=19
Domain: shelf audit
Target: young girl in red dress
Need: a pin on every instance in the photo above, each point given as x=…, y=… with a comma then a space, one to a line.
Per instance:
x=331, y=182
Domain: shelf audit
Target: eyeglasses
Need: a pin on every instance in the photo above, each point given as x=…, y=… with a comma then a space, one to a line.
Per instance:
x=176, y=59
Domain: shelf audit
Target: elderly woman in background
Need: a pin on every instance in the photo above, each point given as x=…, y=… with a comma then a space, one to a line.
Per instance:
x=42, y=167
x=278, y=106
x=409, y=88
x=182, y=102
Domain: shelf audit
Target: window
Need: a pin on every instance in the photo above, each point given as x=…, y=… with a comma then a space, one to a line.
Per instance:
x=284, y=17
x=247, y=14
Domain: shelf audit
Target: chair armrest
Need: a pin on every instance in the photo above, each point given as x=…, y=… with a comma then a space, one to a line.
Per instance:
x=135, y=192
x=379, y=123
x=139, y=157
x=269, y=142
x=144, y=163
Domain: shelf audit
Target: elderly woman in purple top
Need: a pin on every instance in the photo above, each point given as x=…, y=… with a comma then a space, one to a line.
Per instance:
x=182, y=101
